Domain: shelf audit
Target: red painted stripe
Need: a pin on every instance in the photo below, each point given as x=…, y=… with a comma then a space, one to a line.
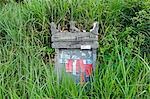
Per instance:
x=69, y=65
x=88, y=69
x=78, y=66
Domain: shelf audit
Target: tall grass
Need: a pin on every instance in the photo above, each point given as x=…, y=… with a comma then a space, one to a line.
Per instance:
x=25, y=62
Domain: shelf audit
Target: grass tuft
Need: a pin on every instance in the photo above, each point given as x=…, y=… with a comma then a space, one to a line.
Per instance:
x=123, y=68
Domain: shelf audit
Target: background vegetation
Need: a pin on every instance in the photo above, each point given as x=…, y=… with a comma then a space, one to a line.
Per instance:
x=26, y=67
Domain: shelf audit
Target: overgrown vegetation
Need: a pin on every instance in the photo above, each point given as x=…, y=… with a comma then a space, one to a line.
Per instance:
x=123, y=69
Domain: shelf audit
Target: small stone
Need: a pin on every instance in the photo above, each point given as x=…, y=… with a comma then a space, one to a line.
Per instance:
x=95, y=28
x=72, y=27
x=53, y=27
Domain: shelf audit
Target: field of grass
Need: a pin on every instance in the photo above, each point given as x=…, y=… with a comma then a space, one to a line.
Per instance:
x=123, y=62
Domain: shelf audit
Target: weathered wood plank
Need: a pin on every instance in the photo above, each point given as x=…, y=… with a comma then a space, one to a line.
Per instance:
x=79, y=36
x=76, y=44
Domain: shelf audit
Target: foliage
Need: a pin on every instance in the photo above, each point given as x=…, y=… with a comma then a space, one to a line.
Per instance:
x=122, y=70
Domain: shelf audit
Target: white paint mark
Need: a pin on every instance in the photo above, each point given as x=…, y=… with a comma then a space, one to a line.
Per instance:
x=85, y=46
x=74, y=67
